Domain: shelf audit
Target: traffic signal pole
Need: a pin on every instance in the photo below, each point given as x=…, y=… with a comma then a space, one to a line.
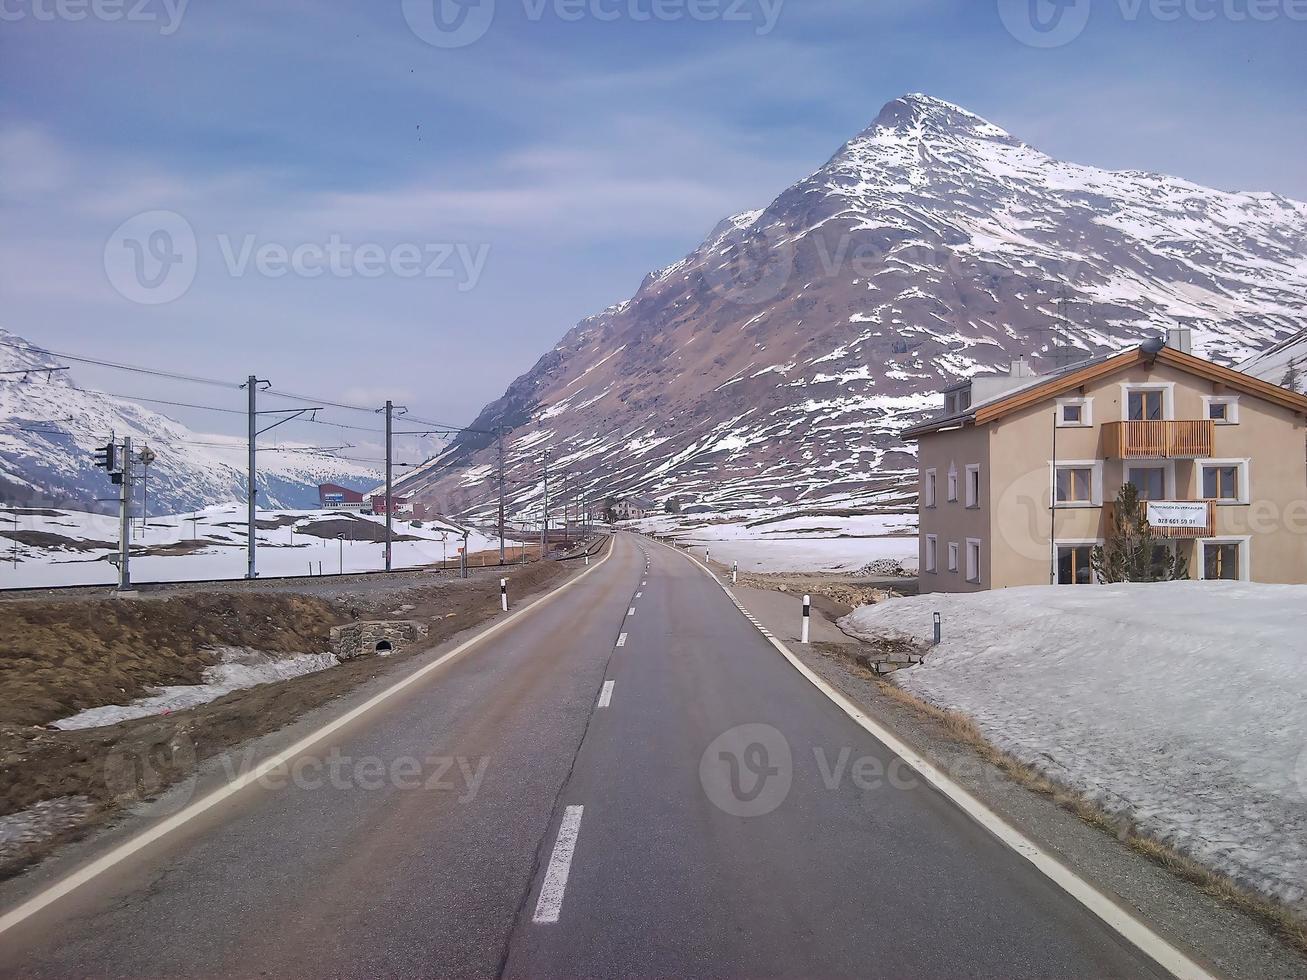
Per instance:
x=124, y=518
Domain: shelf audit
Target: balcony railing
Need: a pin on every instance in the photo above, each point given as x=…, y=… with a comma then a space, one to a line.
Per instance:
x=1190, y=439
x=1162, y=530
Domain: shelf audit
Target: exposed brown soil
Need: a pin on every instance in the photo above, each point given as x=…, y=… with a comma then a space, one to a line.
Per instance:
x=843, y=592
x=48, y=539
x=161, y=641
x=353, y=529
x=57, y=658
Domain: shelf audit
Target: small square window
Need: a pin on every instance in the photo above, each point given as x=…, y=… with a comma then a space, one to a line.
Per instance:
x=1074, y=412
x=1075, y=484
x=1221, y=482
x=1223, y=410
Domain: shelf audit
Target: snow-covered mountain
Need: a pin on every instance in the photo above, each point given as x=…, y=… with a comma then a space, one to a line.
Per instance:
x=779, y=360
x=1283, y=364
x=49, y=429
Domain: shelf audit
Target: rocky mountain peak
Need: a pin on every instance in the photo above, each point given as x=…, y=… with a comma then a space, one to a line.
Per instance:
x=779, y=359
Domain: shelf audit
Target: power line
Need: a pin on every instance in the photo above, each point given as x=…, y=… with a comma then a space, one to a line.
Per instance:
x=116, y=365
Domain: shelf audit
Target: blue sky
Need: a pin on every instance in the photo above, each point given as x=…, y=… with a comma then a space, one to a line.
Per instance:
x=557, y=158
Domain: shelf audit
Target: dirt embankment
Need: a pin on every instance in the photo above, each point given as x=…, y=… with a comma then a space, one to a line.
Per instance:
x=60, y=656
x=57, y=658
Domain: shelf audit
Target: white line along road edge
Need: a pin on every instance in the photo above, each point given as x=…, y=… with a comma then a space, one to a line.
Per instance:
x=148, y=836
x=550, y=903
x=1173, y=960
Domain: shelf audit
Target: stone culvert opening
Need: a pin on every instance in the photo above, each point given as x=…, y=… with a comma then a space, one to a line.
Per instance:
x=384, y=646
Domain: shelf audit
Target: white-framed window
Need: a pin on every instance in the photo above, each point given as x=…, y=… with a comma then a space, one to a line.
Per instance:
x=952, y=483
x=953, y=556
x=928, y=489
x=932, y=553
x=1073, y=562
x=1223, y=480
x=973, y=559
x=1079, y=483
x=1148, y=402
x=1221, y=409
x=1073, y=413
x=1224, y=558
x=972, y=485
x=1154, y=481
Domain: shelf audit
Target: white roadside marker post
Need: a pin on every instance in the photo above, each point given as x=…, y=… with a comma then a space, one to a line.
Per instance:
x=938, y=629
x=734, y=567
x=503, y=594
x=807, y=614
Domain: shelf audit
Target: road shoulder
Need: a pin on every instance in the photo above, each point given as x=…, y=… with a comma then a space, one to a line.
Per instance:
x=324, y=699
x=1235, y=944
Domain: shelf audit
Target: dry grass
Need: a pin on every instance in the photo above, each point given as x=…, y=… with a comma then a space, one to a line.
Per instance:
x=1283, y=921
x=58, y=657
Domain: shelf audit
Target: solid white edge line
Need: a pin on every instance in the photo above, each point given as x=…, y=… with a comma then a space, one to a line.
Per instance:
x=550, y=903
x=1118, y=918
x=621, y=639
x=117, y=855
x=606, y=694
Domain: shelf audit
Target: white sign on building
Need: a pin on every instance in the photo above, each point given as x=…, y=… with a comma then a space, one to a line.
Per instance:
x=1177, y=513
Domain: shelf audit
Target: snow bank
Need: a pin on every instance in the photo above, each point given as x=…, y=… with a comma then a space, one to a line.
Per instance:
x=238, y=670
x=1180, y=705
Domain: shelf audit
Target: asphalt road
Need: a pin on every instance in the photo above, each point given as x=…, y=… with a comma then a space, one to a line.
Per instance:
x=628, y=781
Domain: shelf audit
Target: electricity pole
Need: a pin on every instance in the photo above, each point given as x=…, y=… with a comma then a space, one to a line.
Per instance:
x=251, y=569
x=124, y=518
x=390, y=506
x=252, y=383
x=500, y=434
x=567, y=528
x=544, y=520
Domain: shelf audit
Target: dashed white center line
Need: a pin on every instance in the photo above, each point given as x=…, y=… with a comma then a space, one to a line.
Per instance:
x=606, y=695
x=550, y=903
x=631, y=611
x=621, y=640
x=639, y=595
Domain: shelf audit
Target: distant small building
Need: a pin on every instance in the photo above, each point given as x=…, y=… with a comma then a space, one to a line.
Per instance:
x=332, y=496
x=401, y=506
x=633, y=508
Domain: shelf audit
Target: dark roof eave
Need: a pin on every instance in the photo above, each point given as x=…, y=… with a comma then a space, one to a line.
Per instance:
x=938, y=425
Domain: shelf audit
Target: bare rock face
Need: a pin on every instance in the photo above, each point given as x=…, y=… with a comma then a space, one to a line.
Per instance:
x=780, y=359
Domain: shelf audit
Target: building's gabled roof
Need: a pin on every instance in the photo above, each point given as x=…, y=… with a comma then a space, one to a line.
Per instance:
x=1075, y=375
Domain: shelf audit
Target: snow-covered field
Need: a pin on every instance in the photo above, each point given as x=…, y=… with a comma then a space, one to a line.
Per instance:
x=73, y=546
x=785, y=540
x=1181, y=705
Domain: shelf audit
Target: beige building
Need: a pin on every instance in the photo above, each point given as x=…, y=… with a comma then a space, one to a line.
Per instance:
x=1019, y=474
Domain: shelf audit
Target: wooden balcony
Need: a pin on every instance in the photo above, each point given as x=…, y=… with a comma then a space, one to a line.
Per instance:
x=1189, y=439
x=1162, y=531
